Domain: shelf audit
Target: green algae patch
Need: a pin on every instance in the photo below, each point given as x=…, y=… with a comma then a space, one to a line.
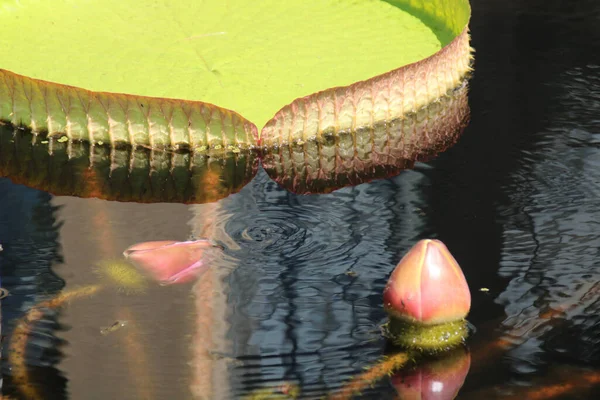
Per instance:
x=252, y=57
x=122, y=275
x=426, y=338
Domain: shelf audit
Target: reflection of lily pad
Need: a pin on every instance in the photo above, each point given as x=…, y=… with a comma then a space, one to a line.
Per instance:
x=123, y=174
x=251, y=57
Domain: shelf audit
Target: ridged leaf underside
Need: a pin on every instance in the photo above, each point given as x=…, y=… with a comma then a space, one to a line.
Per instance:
x=380, y=151
x=386, y=99
x=116, y=119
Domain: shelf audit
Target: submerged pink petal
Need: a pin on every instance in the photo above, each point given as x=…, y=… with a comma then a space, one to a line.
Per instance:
x=149, y=245
x=170, y=261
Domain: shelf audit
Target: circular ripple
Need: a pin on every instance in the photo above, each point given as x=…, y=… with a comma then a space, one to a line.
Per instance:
x=272, y=231
x=309, y=277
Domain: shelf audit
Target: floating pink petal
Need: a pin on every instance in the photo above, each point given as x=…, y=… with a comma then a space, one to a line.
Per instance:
x=170, y=261
x=427, y=286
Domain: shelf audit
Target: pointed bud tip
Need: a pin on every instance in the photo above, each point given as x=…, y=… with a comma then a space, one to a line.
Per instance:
x=427, y=286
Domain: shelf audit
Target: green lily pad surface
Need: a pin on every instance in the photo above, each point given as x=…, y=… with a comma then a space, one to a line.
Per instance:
x=253, y=57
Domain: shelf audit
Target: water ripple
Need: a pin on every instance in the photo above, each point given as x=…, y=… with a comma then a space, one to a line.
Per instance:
x=551, y=236
x=311, y=272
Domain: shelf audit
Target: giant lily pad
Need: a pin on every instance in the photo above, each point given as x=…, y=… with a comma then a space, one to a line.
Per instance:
x=206, y=74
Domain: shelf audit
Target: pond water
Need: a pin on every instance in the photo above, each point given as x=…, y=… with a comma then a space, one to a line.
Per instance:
x=296, y=298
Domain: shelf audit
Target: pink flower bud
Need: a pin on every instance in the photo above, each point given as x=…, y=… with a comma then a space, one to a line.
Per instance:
x=428, y=286
x=170, y=261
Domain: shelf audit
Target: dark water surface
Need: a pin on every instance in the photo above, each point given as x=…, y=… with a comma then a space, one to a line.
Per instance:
x=297, y=297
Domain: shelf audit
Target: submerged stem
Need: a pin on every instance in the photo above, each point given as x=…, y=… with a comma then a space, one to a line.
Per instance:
x=373, y=374
x=22, y=331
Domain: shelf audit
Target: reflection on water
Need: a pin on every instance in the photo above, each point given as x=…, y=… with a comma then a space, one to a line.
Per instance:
x=124, y=174
x=281, y=307
x=551, y=300
x=295, y=303
x=438, y=378
x=295, y=298
x=527, y=202
x=29, y=233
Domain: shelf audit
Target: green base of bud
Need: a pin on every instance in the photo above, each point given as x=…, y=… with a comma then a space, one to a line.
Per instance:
x=426, y=338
